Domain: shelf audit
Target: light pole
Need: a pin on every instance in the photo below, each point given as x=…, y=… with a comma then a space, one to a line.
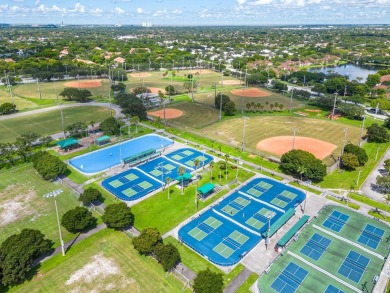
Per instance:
x=292, y=93
x=358, y=179
x=269, y=215
x=54, y=194
x=243, y=134
x=293, y=142
x=162, y=174
x=361, y=131
x=334, y=105
x=220, y=100
x=344, y=142
x=238, y=163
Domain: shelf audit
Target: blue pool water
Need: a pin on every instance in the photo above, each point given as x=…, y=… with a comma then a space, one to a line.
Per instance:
x=103, y=159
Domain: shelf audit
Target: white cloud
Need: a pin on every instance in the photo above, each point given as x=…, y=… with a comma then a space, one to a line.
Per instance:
x=119, y=10
x=17, y=0
x=241, y=2
x=78, y=8
x=96, y=12
x=37, y=2
x=177, y=11
x=140, y=10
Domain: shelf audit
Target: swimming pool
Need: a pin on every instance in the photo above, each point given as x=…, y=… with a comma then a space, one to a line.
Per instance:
x=103, y=159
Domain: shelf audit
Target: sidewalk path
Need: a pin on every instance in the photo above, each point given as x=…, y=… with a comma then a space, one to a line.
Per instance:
x=238, y=281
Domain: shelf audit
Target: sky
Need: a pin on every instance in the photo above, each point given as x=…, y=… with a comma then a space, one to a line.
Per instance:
x=196, y=12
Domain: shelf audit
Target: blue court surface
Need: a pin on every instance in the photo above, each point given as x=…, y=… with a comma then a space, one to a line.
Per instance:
x=111, y=156
x=336, y=221
x=275, y=193
x=316, y=246
x=217, y=238
x=130, y=185
x=247, y=212
x=333, y=289
x=289, y=279
x=186, y=156
x=354, y=266
x=161, y=168
x=371, y=236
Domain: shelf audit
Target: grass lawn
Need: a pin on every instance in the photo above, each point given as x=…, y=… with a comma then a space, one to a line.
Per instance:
x=49, y=122
x=259, y=128
x=180, y=206
x=245, y=288
x=369, y=201
x=22, y=204
x=103, y=262
x=48, y=90
x=345, y=179
x=20, y=103
x=350, y=204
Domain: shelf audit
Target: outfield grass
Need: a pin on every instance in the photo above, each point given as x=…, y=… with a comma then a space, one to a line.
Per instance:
x=180, y=206
x=49, y=122
x=259, y=128
x=20, y=103
x=49, y=89
x=22, y=204
x=133, y=273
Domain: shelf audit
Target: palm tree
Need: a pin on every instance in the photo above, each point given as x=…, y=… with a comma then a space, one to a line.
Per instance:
x=181, y=172
x=386, y=199
x=262, y=107
x=128, y=117
x=281, y=106
x=220, y=148
x=211, y=166
x=248, y=106
x=226, y=162
x=212, y=145
x=196, y=163
x=301, y=170
x=271, y=106
x=135, y=120
x=167, y=181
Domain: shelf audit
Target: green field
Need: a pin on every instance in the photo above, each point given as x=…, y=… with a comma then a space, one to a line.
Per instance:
x=258, y=128
x=104, y=262
x=20, y=103
x=194, y=115
x=333, y=257
x=49, y=89
x=22, y=204
x=49, y=122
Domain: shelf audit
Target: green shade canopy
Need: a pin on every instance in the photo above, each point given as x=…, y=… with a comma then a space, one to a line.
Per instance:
x=294, y=229
x=103, y=138
x=204, y=189
x=185, y=176
x=139, y=156
x=67, y=143
x=279, y=223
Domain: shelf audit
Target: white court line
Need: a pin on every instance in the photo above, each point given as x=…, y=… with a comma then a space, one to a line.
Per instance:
x=324, y=272
x=263, y=202
x=349, y=242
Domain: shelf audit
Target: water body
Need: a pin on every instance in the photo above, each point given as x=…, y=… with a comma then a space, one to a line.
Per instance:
x=350, y=70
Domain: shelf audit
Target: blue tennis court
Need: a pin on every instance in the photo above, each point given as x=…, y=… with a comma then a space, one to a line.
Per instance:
x=333, y=289
x=371, y=236
x=354, y=266
x=130, y=185
x=248, y=212
x=289, y=279
x=316, y=246
x=273, y=192
x=161, y=168
x=336, y=221
x=186, y=156
x=217, y=238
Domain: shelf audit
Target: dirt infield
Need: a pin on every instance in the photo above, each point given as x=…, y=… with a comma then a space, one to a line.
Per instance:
x=85, y=84
x=250, y=93
x=231, y=82
x=140, y=74
x=279, y=145
x=169, y=113
x=312, y=110
x=153, y=90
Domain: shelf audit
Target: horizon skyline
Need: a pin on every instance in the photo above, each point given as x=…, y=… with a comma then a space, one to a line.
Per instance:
x=202, y=13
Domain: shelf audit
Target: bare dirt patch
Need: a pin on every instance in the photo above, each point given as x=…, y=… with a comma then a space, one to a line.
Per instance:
x=279, y=145
x=140, y=74
x=250, y=93
x=17, y=207
x=231, y=82
x=312, y=110
x=85, y=84
x=169, y=113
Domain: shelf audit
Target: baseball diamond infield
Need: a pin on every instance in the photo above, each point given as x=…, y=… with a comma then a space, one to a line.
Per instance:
x=279, y=145
x=231, y=82
x=169, y=113
x=140, y=74
x=84, y=84
x=153, y=90
x=250, y=93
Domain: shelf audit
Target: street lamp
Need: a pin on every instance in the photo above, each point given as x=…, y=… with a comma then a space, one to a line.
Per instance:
x=293, y=142
x=361, y=131
x=243, y=134
x=292, y=93
x=334, y=104
x=269, y=215
x=358, y=178
x=54, y=194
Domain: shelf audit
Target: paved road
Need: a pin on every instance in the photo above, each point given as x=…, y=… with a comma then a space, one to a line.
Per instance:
x=371, y=179
x=116, y=108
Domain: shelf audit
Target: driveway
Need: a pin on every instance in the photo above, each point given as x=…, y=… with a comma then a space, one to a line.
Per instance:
x=371, y=179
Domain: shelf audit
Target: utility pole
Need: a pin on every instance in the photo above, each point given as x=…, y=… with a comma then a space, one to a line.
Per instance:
x=334, y=105
x=361, y=131
x=243, y=134
x=293, y=142
x=220, y=100
x=292, y=93
x=39, y=89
